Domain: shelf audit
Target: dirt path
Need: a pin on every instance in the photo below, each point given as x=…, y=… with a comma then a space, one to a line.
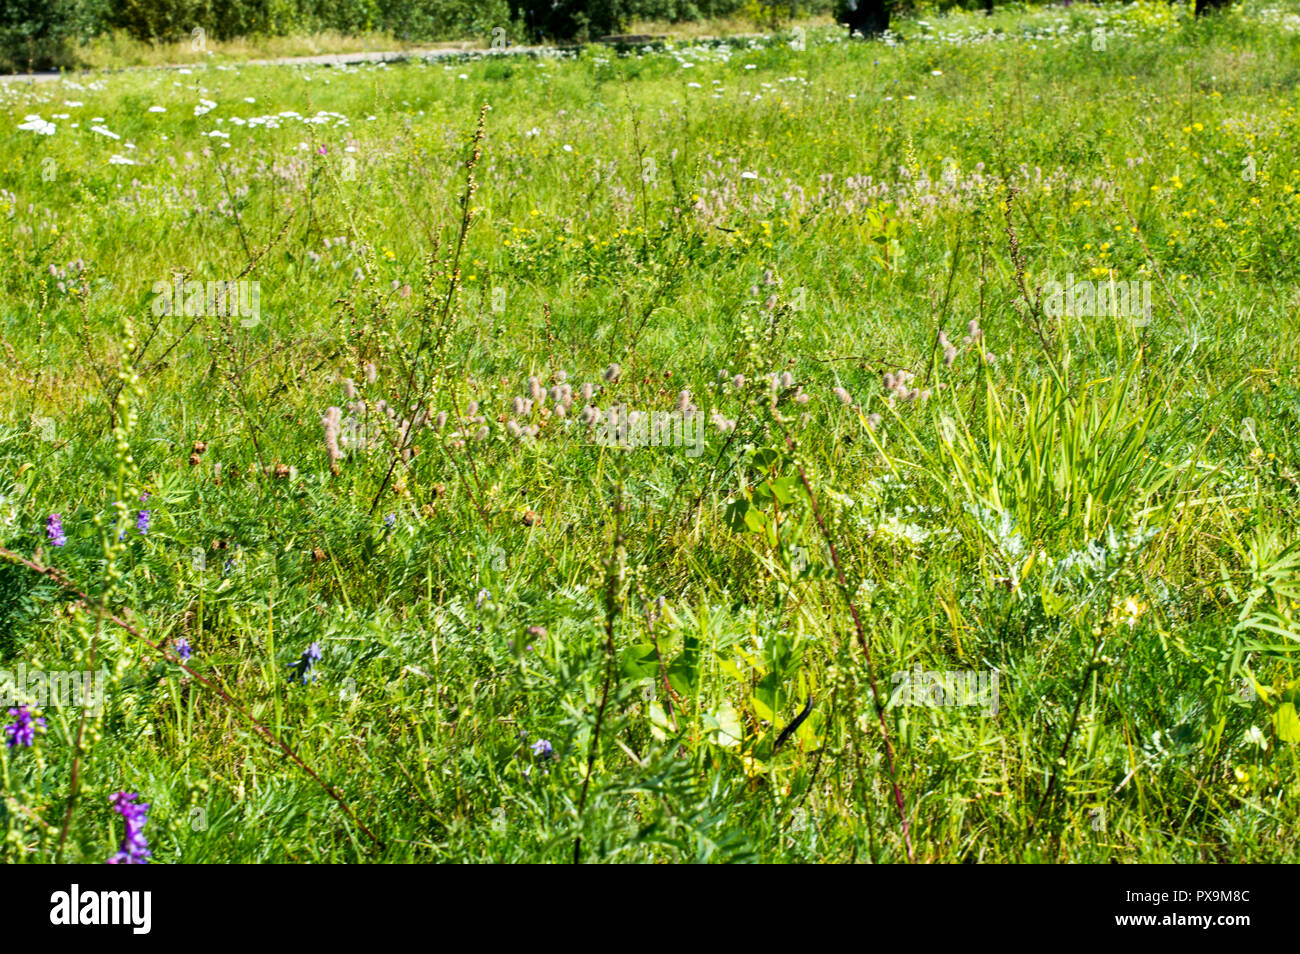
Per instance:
x=324, y=59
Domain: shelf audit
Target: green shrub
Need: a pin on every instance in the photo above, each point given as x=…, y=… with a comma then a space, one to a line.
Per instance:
x=443, y=19
x=220, y=19
x=159, y=19
x=223, y=19
x=39, y=34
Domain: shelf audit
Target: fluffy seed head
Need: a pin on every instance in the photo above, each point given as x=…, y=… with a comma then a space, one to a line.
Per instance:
x=332, y=422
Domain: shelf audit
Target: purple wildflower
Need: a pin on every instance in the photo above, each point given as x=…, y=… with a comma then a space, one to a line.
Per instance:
x=135, y=849
x=54, y=530
x=142, y=522
x=183, y=649
x=23, y=731
x=390, y=520
x=542, y=749
x=303, y=667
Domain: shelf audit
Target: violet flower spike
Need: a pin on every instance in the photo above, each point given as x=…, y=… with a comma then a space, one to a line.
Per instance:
x=303, y=667
x=135, y=847
x=54, y=530
x=23, y=731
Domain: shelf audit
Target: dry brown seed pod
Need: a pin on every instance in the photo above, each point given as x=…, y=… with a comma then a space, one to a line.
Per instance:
x=531, y=518
x=200, y=447
x=317, y=555
x=439, y=490
x=281, y=471
x=194, y=460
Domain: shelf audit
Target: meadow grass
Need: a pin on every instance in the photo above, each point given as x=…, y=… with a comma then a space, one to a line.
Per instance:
x=538, y=643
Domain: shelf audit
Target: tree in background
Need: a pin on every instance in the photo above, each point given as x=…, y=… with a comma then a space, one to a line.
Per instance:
x=868, y=17
x=154, y=20
x=39, y=34
x=571, y=19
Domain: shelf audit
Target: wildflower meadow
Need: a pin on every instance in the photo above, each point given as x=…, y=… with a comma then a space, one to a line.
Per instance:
x=781, y=447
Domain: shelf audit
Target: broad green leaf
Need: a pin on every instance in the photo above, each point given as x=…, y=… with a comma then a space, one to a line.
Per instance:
x=1286, y=723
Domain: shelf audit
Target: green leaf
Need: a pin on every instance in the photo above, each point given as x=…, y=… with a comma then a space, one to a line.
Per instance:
x=783, y=489
x=684, y=671
x=1286, y=723
x=731, y=669
x=660, y=725
x=768, y=694
x=729, y=730
x=765, y=457
x=736, y=511
x=641, y=661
